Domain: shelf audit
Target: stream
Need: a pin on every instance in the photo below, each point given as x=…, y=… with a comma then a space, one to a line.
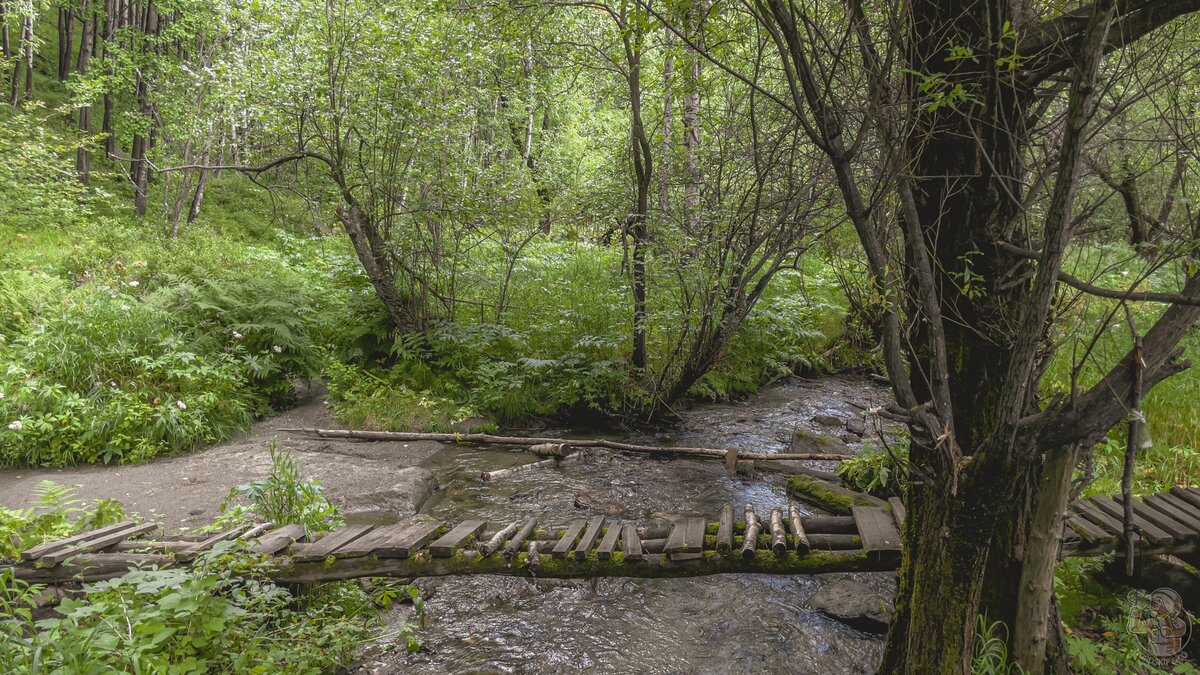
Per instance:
x=742, y=623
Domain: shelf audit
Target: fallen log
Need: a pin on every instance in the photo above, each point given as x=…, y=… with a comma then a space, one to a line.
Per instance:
x=521, y=468
x=713, y=453
x=831, y=496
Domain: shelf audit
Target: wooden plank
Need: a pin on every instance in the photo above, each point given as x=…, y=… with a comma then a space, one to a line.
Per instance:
x=198, y=547
x=1177, y=509
x=725, y=529
x=1089, y=531
x=329, y=543
x=898, y=512
x=1088, y=509
x=1177, y=530
x=676, y=540
x=1150, y=531
x=49, y=547
x=409, y=541
x=96, y=543
x=694, y=536
x=630, y=543
x=876, y=529
x=800, y=541
x=563, y=547
x=1188, y=495
x=609, y=542
x=278, y=539
x=589, y=537
x=456, y=538
x=370, y=541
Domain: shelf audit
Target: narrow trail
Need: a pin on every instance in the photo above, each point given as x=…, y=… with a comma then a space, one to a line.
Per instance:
x=186, y=490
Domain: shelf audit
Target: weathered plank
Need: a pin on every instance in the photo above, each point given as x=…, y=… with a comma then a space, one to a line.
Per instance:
x=1189, y=495
x=631, y=544
x=96, y=543
x=694, y=535
x=1088, y=509
x=589, y=537
x=370, y=541
x=522, y=534
x=456, y=538
x=800, y=541
x=609, y=542
x=1177, y=509
x=563, y=547
x=1149, y=530
x=898, y=512
x=1176, y=529
x=49, y=547
x=278, y=539
x=409, y=541
x=329, y=543
x=876, y=529
x=725, y=529
x=201, y=546
x=1090, y=532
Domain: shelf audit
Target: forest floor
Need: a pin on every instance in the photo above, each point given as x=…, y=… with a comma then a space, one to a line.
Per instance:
x=186, y=490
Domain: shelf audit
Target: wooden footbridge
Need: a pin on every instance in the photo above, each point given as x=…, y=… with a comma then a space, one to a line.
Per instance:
x=782, y=541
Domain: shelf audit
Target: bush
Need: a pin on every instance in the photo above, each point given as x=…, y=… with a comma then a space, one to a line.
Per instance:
x=876, y=471
x=283, y=497
x=57, y=515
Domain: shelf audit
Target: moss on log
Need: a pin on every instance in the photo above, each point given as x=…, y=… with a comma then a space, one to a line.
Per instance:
x=830, y=496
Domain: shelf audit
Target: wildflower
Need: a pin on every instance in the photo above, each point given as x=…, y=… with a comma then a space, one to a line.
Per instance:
x=16, y=425
x=237, y=335
x=181, y=404
x=277, y=349
x=134, y=284
x=1, y=396
x=125, y=308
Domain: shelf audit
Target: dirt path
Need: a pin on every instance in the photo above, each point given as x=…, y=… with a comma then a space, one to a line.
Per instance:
x=186, y=490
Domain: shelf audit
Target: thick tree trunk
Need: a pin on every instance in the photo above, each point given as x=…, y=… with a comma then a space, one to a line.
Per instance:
x=370, y=251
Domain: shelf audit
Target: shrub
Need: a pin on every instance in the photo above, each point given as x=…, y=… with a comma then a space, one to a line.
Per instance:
x=874, y=470
x=58, y=514
x=283, y=497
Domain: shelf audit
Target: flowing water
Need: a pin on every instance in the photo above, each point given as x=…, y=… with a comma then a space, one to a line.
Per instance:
x=723, y=623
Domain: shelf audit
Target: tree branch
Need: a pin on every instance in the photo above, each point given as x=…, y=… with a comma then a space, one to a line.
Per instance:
x=1099, y=291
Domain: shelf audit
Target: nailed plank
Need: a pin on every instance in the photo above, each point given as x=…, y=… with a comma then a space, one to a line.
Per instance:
x=329, y=543
x=568, y=539
x=370, y=541
x=198, y=547
x=408, y=542
x=462, y=534
x=1088, y=509
x=694, y=536
x=1176, y=529
x=725, y=529
x=96, y=543
x=278, y=539
x=519, y=538
x=1188, y=495
x=1177, y=509
x=589, y=537
x=898, y=512
x=1089, y=531
x=1151, y=532
x=49, y=547
x=676, y=540
x=609, y=542
x=631, y=544
x=876, y=529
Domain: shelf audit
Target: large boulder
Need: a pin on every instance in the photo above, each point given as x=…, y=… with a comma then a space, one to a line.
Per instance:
x=403, y=494
x=855, y=604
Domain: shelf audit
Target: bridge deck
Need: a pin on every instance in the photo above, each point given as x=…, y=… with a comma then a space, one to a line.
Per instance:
x=780, y=542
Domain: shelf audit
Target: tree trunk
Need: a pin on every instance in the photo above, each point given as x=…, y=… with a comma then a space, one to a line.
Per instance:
x=370, y=249
x=83, y=161
x=664, y=171
x=66, y=29
x=691, y=121
x=632, y=37
x=5, y=48
x=202, y=182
